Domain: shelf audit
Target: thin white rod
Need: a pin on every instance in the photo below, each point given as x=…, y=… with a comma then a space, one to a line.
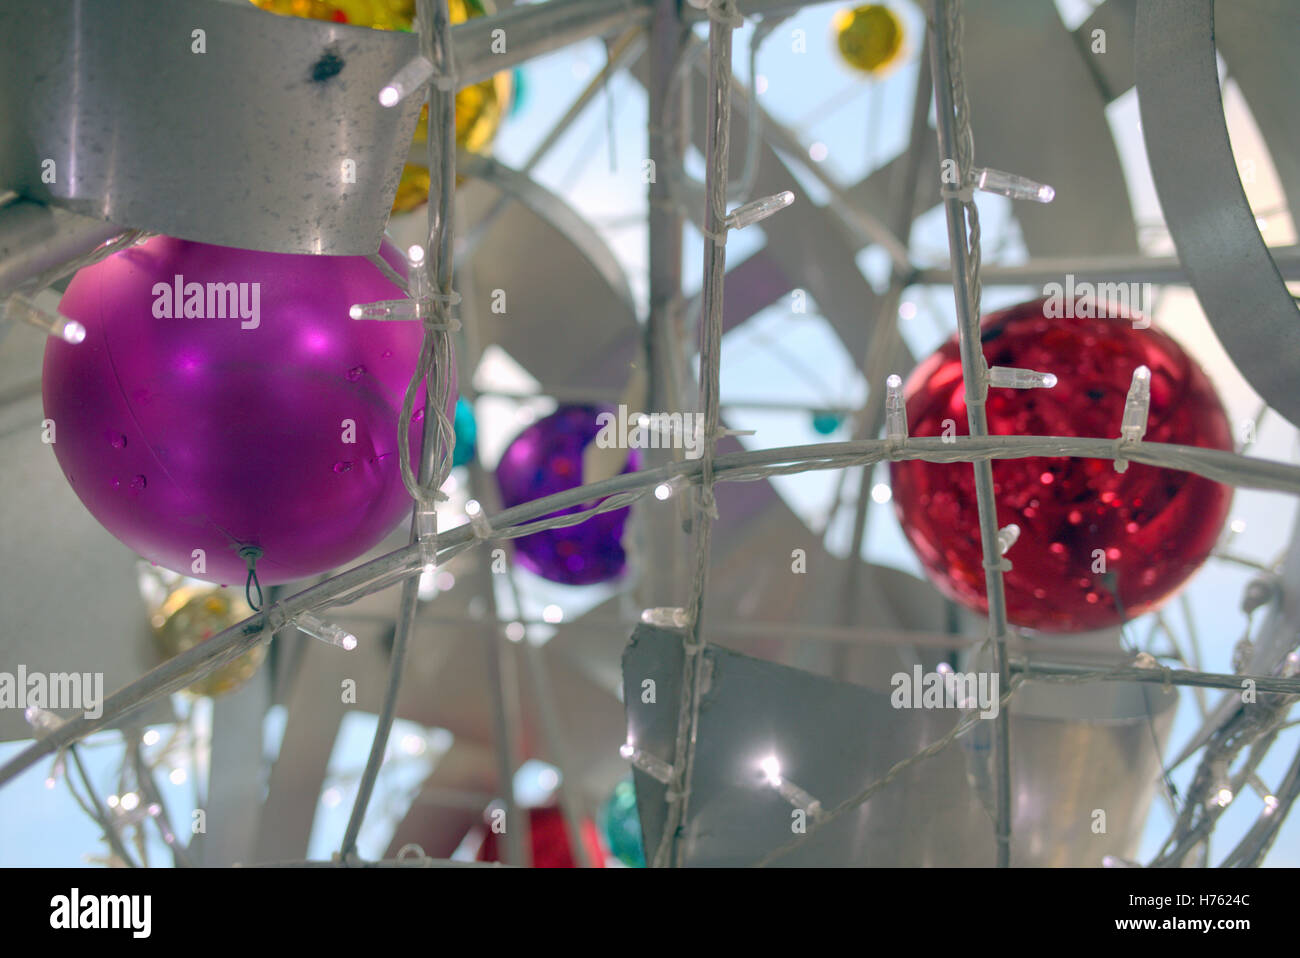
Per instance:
x=435, y=45
x=882, y=349
x=556, y=745
x=1097, y=269
x=943, y=45
x=1159, y=675
x=753, y=8
x=503, y=671
x=594, y=396
x=717, y=149
x=662, y=564
x=527, y=31
x=552, y=732
x=841, y=205
x=622, y=51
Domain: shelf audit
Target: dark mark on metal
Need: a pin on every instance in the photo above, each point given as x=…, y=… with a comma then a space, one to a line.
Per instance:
x=328, y=66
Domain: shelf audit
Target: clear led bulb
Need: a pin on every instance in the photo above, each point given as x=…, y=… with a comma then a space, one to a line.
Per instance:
x=895, y=410
x=325, y=631
x=1016, y=187
x=410, y=78
x=1136, y=406
x=1008, y=377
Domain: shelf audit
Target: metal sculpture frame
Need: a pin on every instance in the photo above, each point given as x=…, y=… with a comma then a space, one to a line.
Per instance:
x=540, y=28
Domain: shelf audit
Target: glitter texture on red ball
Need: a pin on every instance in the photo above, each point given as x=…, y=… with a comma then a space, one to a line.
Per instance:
x=1154, y=527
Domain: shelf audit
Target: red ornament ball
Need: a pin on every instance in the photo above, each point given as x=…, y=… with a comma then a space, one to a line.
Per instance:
x=550, y=841
x=1153, y=527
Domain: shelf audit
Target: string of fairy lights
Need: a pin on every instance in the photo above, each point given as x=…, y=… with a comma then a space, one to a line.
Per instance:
x=1249, y=731
x=54, y=736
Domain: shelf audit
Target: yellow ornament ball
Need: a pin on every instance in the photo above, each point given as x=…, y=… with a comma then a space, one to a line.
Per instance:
x=308, y=9
x=869, y=38
x=479, y=108
x=412, y=189
x=193, y=614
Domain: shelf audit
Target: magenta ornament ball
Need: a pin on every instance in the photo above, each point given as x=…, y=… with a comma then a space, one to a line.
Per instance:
x=544, y=459
x=242, y=407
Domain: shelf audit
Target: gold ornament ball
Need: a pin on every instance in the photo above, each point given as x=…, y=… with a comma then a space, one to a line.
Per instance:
x=193, y=614
x=307, y=9
x=869, y=38
x=412, y=188
x=479, y=108
x=379, y=14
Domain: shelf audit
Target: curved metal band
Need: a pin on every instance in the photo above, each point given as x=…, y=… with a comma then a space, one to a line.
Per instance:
x=1230, y=268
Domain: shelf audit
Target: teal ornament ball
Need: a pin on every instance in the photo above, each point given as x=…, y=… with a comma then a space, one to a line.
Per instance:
x=825, y=423
x=622, y=825
x=466, y=433
x=520, y=93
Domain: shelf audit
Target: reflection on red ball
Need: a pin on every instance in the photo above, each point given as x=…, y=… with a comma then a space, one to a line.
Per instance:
x=1153, y=527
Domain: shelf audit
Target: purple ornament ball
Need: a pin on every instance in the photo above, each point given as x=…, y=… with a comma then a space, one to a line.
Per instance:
x=544, y=459
x=224, y=398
